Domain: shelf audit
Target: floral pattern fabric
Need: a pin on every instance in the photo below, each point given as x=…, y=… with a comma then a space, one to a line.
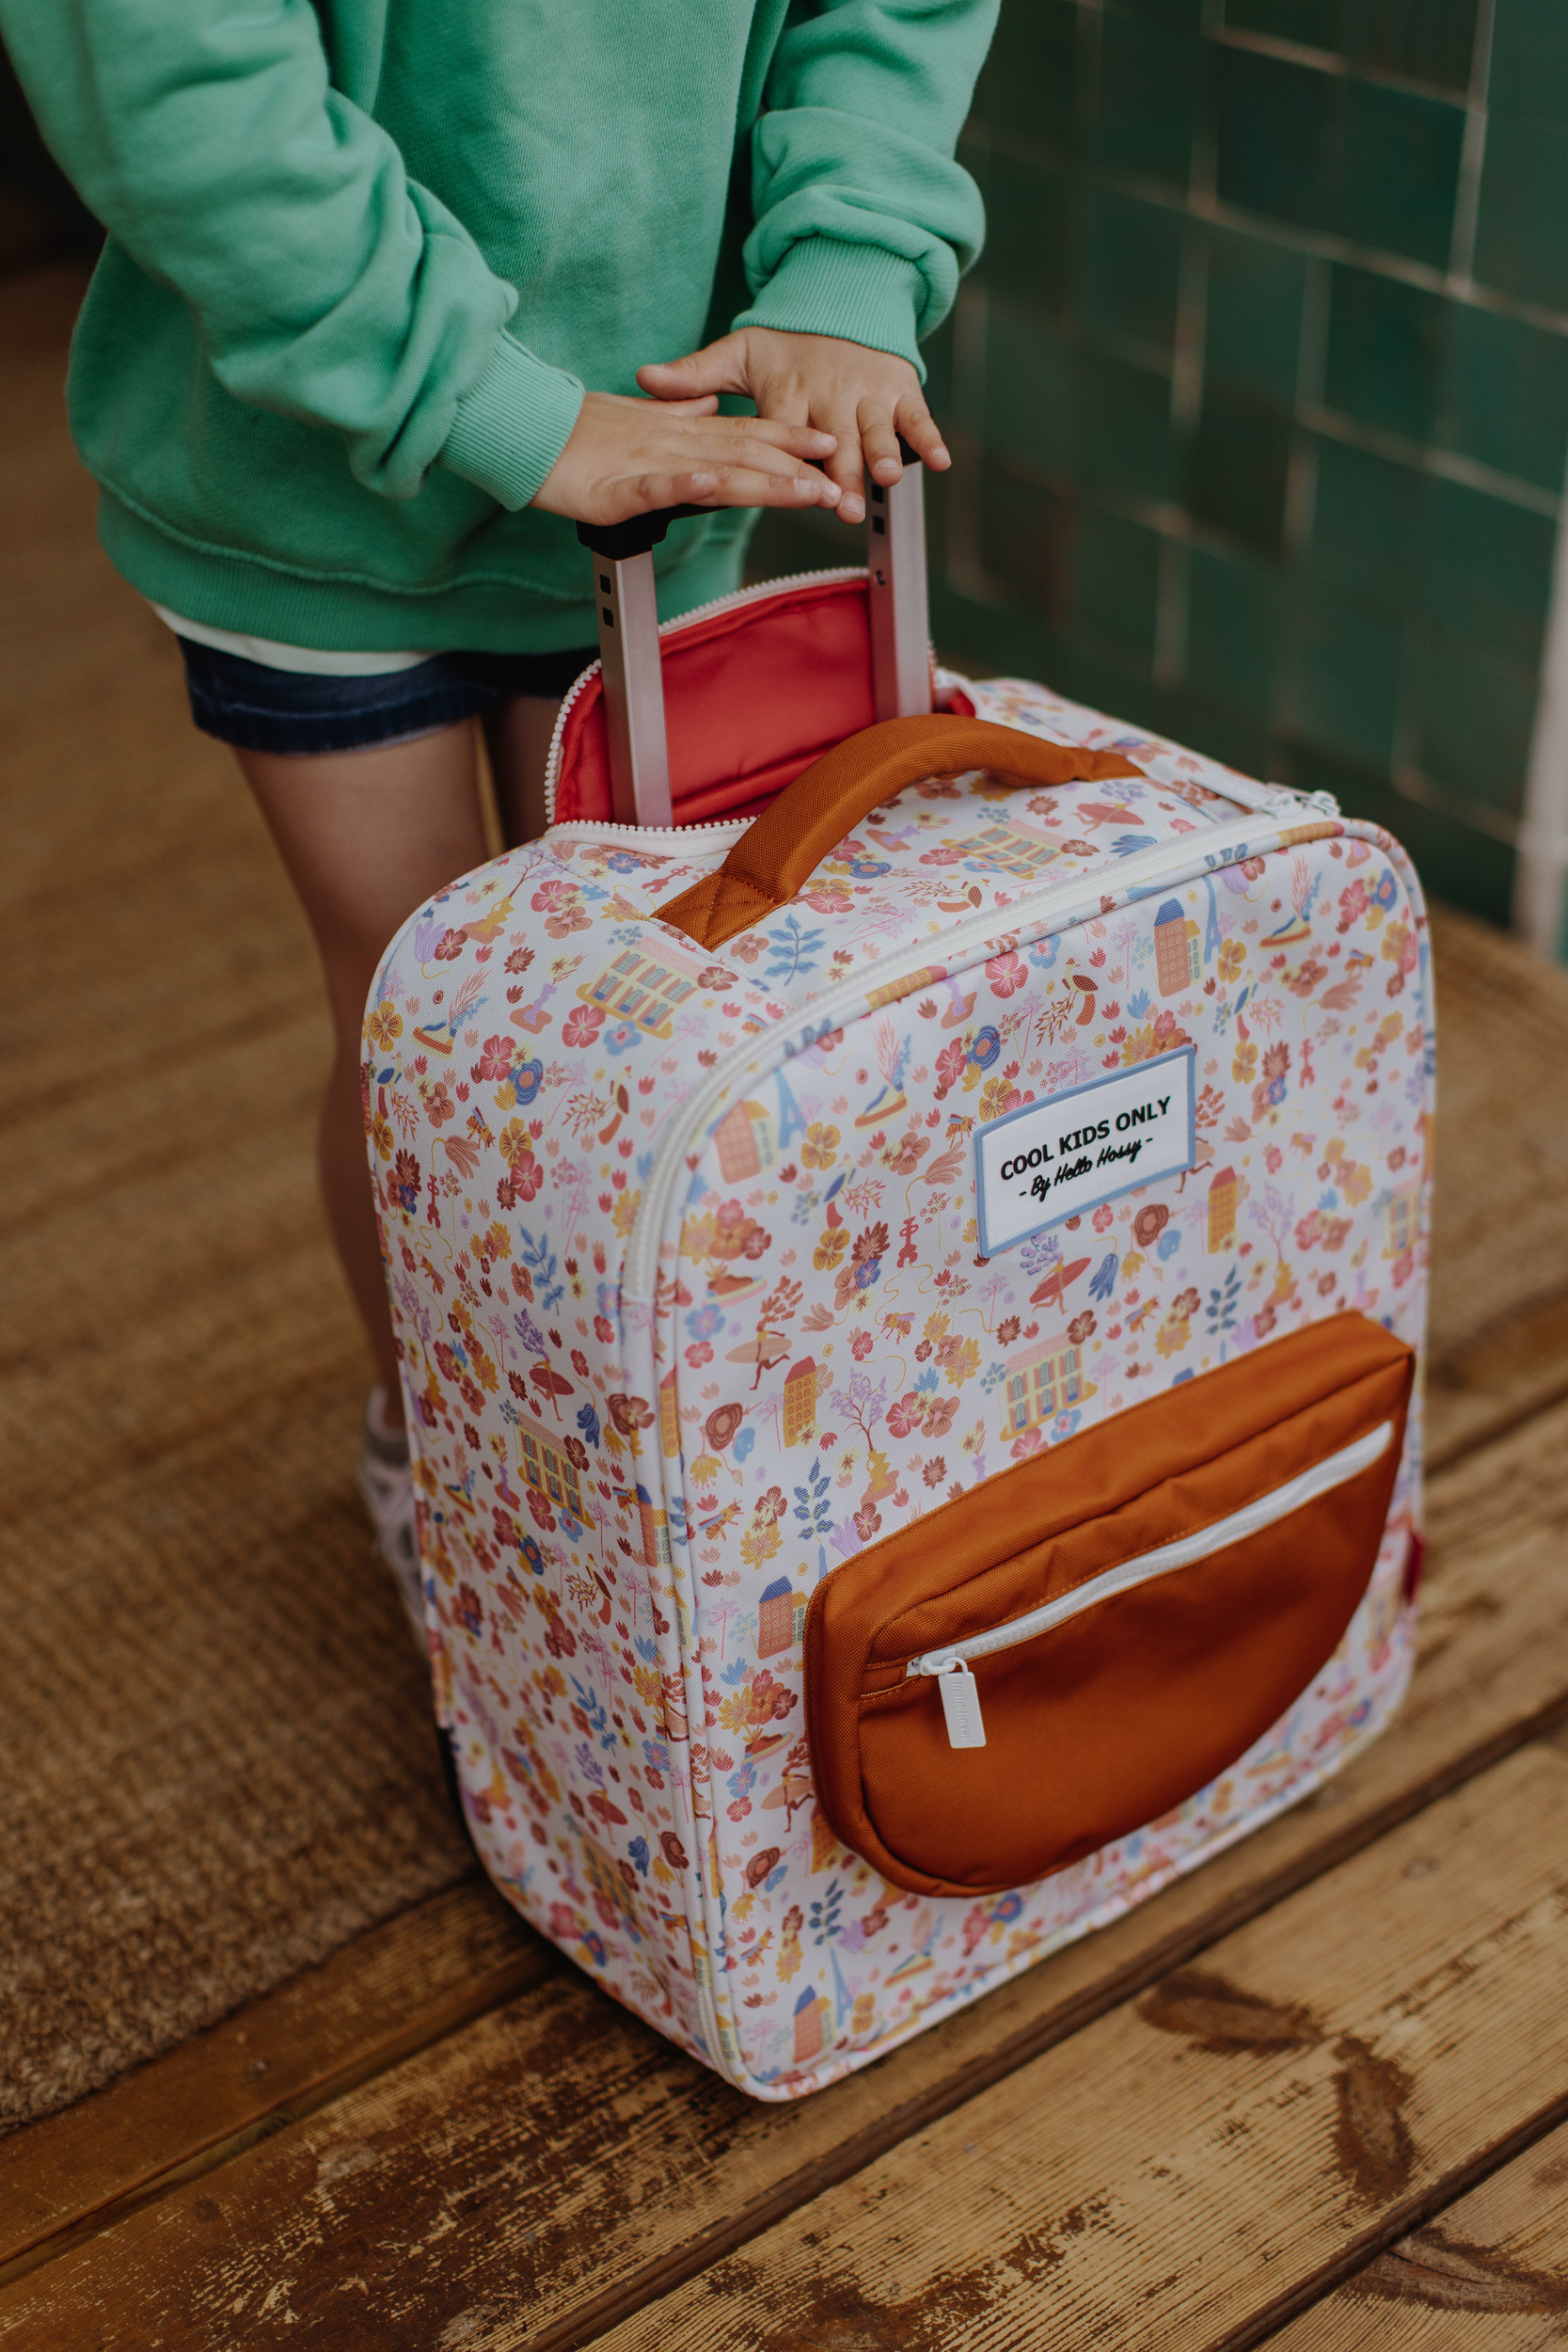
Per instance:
x=628, y=1489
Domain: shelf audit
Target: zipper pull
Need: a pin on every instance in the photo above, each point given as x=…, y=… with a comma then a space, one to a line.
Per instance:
x=960, y=1699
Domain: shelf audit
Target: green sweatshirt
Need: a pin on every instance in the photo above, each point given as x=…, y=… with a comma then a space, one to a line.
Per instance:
x=364, y=255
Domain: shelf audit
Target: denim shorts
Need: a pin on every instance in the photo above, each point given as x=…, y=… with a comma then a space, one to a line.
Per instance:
x=260, y=709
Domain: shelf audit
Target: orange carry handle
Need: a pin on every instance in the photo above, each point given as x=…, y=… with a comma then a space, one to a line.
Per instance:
x=781, y=852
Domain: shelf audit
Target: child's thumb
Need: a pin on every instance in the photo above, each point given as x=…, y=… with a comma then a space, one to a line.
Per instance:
x=713, y=369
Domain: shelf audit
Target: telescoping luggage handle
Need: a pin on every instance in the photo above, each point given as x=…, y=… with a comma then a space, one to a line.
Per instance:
x=628, y=633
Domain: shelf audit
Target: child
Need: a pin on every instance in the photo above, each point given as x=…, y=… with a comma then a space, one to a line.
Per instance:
x=363, y=257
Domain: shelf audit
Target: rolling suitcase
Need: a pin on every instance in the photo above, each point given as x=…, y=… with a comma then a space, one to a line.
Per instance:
x=907, y=1237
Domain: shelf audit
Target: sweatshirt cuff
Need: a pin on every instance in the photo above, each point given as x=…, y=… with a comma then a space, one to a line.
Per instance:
x=827, y=286
x=513, y=425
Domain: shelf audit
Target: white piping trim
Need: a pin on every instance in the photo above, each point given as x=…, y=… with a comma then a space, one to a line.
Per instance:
x=1321, y=1479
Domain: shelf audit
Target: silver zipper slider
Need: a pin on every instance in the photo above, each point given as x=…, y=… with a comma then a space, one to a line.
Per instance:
x=960, y=1698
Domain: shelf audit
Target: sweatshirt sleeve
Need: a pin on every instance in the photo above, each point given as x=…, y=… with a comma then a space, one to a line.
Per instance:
x=864, y=219
x=327, y=285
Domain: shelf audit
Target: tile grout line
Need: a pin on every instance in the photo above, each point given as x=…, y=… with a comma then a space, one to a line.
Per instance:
x=1466, y=209
x=1542, y=848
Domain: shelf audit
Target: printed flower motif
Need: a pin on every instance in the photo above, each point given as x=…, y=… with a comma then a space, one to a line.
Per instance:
x=906, y=1156
x=404, y=1181
x=1233, y=956
x=1162, y=1035
x=820, y=1148
x=384, y=1025
x=438, y=1104
x=906, y=1415
x=830, y=1248
x=997, y=1096
x=1007, y=974
x=495, y=1058
x=582, y=1024
x=951, y=1064
x=450, y=945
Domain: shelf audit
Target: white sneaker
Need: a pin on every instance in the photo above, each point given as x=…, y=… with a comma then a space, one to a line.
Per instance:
x=388, y=1487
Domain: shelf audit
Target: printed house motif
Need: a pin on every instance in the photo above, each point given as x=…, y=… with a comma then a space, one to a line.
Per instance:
x=746, y=1143
x=1007, y=850
x=645, y=985
x=800, y=1401
x=1222, y=1209
x=809, y=2011
x=1042, y=1382
x=781, y=1618
x=1177, y=952
x=655, y=1524
x=1404, y=1214
x=550, y=1470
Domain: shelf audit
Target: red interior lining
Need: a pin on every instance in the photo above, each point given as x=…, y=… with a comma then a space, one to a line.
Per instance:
x=752, y=696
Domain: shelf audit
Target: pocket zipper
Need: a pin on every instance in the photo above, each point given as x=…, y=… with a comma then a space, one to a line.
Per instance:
x=960, y=1696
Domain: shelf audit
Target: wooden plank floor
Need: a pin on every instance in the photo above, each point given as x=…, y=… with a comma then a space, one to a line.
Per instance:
x=1248, y=2106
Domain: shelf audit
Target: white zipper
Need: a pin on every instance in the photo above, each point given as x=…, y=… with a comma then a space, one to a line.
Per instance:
x=954, y=1662
x=735, y=598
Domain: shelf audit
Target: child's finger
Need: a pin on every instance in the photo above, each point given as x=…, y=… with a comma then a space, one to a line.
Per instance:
x=749, y=441
x=718, y=367
x=842, y=469
x=720, y=486
x=798, y=440
x=707, y=405
x=880, y=443
x=919, y=428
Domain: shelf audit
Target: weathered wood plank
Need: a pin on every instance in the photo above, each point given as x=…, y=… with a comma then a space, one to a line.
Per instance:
x=558, y=2155
x=392, y=1992
x=1500, y=1231
x=1479, y=1394
x=1186, y=2169
x=1489, y=2275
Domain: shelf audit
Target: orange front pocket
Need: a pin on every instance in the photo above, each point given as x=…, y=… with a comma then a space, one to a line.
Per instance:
x=1117, y=1619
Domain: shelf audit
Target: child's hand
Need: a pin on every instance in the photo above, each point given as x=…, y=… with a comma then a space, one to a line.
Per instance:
x=863, y=398
x=628, y=457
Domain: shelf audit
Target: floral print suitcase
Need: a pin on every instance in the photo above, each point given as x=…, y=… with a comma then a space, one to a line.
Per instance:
x=908, y=1294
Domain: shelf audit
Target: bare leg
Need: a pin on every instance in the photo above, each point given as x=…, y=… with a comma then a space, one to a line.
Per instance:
x=366, y=837
x=517, y=736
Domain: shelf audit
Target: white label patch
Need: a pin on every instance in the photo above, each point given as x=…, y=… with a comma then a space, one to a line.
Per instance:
x=1069, y=1154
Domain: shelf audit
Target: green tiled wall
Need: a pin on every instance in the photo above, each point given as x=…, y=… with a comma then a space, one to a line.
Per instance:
x=1259, y=393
